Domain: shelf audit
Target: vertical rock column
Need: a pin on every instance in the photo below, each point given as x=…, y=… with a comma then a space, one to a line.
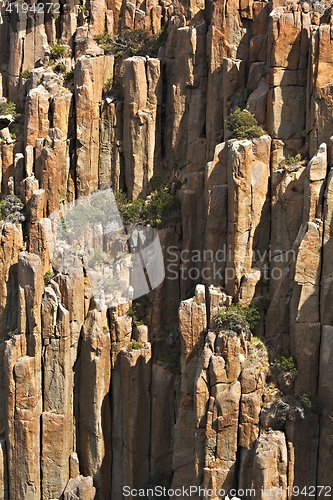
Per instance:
x=58, y=380
x=185, y=106
x=94, y=432
x=288, y=46
x=91, y=73
x=23, y=379
x=325, y=386
x=248, y=215
x=319, y=91
x=216, y=230
x=193, y=323
x=142, y=96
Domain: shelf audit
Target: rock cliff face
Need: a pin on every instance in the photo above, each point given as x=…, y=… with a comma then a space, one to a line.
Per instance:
x=92, y=400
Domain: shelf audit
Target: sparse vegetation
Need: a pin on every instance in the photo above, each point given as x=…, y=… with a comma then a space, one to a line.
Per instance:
x=59, y=68
x=257, y=342
x=133, y=312
x=163, y=209
x=160, y=209
x=108, y=282
x=244, y=125
x=131, y=211
x=134, y=346
x=286, y=407
x=9, y=335
x=238, y=316
x=108, y=85
x=11, y=209
x=83, y=216
x=26, y=74
x=8, y=108
x=286, y=364
x=168, y=348
x=48, y=276
x=57, y=51
x=130, y=43
x=290, y=161
x=308, y=402
x=69, y=76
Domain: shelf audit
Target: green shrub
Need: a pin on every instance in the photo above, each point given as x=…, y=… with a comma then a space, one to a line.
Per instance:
x=168, y=348
x=163, y=209
x=82, y=217
x=69, y=76
x=26, y=74
x=160, y=210
x=9, y=335
x=108, y=85
x=239, y=99
x=134, y=346
x=12, y=209
x=137, y=320
x=57, y=51
x=257, y=342
x=286, y=364
x=286, y=406
x=290, y=161
x=8, y=108
x=48, y=276
x=154, y=42
x=238, y=315
x=131, y=211
x=308, y=402
x=243, y=125
x=59, y=68
x=132, y=42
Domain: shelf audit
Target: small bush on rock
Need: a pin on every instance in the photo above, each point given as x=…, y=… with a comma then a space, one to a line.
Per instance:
x=238, y=316
x=290, y=161
x=159, y=210
x=69, y=76
x=57, y=51
x=286, y=364
x=8, y=108
x=59, y=68
x=25, y=74
x=48, y=276
x=132, y=42
x=134, y=346
x=244, y=125
x=11, y=209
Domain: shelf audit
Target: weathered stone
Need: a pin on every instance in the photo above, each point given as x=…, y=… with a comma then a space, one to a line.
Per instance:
x=94, y=389
x=142, y=94
x=270, y=464
x=80, y=488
